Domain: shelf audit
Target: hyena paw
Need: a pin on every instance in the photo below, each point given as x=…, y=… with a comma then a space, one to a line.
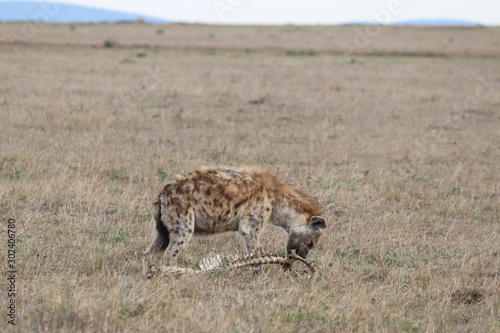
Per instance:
x=152, y=271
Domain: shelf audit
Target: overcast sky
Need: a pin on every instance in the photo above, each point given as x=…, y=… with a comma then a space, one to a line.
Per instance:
x=304, y=11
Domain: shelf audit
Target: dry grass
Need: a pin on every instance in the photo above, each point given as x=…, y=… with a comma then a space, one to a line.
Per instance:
x=401, y=151
x=369, y=40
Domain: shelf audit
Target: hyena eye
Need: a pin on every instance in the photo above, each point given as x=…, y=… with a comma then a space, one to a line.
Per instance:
x=310, y=245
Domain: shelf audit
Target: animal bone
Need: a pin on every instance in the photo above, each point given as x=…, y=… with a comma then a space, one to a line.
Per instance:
x=230, y=263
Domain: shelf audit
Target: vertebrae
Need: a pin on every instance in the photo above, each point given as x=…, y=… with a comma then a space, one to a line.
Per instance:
x=218, y=263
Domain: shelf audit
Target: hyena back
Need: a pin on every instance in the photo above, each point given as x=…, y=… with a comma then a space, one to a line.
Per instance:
x=221, y=199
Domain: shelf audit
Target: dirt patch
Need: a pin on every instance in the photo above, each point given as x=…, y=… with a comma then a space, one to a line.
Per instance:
x=467, y=296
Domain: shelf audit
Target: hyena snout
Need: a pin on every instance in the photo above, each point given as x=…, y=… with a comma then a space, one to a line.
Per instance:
x=301, y=242
x=300, y=248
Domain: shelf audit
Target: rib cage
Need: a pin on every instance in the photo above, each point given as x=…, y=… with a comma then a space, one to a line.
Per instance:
x=217, y=262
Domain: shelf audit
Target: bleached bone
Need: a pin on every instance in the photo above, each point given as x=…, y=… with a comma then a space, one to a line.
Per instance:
x=217, y=262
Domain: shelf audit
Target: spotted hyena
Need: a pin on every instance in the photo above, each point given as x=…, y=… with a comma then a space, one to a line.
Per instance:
x=220, y=199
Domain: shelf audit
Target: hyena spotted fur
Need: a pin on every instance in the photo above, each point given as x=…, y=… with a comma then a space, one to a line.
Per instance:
x=213, y=200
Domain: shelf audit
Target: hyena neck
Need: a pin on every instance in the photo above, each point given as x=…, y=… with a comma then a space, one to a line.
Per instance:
x=293, y=209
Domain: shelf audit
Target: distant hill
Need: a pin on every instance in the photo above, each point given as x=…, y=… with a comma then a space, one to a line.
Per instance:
x=53, y=12
x=439, y=22
x=425, y=22
x=12, y=11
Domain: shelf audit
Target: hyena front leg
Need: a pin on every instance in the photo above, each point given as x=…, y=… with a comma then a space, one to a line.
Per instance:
x=249, y=229
x=180, y=235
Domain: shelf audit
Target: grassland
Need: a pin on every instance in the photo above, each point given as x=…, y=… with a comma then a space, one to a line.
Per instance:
x=398, y=140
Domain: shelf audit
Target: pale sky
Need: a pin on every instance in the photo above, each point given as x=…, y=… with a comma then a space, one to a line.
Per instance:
x=486, y=12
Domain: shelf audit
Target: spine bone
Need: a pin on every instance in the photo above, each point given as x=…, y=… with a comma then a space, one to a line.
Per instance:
x=216, y=262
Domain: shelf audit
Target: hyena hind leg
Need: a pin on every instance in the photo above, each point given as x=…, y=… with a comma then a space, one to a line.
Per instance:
x=178, y=241
x=180, y=235
x=158, y=244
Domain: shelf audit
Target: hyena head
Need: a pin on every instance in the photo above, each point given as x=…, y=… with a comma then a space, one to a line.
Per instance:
x=304, y=237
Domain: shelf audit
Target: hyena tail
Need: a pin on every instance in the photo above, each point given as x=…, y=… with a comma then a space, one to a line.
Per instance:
x=163, y=236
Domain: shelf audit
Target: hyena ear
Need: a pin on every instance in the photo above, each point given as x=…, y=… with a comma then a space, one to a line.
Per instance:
x=317, y=222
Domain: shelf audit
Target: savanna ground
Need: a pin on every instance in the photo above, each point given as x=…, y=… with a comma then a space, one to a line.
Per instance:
x=399, y=141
